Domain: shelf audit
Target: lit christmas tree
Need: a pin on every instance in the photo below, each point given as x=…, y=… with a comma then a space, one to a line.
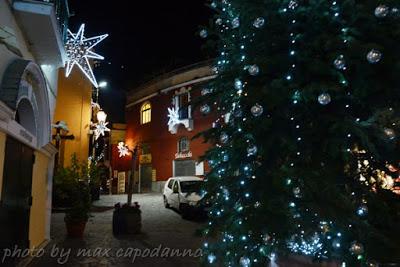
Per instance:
x=307, y=148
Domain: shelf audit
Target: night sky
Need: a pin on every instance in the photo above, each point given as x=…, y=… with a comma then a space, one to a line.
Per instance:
x=146, y=38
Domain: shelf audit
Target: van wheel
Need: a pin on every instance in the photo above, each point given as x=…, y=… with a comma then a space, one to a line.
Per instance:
x=166, y=205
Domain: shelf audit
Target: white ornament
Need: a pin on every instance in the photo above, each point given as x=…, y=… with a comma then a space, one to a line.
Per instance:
x=259, y=22
x=224, y=138
x=235, y=23
x=79, y=51
x=252, y=150
x=173, y=116
x=257, y=110
x=238, y=84
x=374, y=56
x=390, y=133
x=122, y=149
x=324, y=99
x=203, y=33
x=244, y=262
x=381, y=11
x=205, y=109
x=356, y=248
x=340, y=63
x=254, y=70
x=100, y=129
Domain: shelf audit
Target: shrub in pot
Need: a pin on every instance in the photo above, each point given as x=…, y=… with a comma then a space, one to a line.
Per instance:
x=127, y=219
x=73, y=183
x=78, y=214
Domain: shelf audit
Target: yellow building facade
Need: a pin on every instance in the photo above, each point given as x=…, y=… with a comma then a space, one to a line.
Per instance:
x=74, y=108
x=31, y=53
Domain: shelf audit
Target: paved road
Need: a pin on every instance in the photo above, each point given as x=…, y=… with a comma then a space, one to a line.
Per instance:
x=161, y=227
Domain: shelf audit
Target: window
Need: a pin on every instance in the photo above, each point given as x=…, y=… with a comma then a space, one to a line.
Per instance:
x=183, y=104
x=146, y=148
x=170, y=183
x=191, y=186
x=176, y=187
x=145, y=113
x=183, y=145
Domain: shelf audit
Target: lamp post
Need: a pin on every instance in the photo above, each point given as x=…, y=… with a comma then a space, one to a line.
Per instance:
x=124, y=150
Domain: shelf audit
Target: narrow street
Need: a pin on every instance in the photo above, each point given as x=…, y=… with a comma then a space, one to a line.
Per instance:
x=160, y=227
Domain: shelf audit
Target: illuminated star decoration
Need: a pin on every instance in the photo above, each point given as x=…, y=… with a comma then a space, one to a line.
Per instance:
x=79, y=51
x=100, y=129
x=122, y=150
x=173, y=116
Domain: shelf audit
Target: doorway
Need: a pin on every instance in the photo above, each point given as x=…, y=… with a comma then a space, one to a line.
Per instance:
x=146, y=171
x=16, y=197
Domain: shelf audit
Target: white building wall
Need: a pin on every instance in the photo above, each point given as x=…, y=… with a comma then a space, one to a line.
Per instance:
x=9, y=26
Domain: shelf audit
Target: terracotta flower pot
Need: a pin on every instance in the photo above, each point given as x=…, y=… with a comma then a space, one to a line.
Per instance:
x=75, y=229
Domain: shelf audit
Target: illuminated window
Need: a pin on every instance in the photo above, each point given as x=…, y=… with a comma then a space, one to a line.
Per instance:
x=183, y=145
x=145, y=113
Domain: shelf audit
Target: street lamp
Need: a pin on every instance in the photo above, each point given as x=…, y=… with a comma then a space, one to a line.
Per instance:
x=101, y=116
x=103, y=84
x=124, y=150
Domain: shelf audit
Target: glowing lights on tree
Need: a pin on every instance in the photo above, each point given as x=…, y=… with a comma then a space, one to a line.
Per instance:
x=79, y=51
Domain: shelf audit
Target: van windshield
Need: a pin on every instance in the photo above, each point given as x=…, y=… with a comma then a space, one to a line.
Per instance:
x=191, y=186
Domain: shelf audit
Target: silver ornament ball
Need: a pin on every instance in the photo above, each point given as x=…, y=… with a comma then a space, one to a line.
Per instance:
x=356, y=248
x=203, y=33
x=244, y=262
x=205, y=109
x=324, y=99
x=257, y=110
x=340, y=63
x=252, y=150
x=224, y=138
x=259, y=22
x=235, y=23
x=374, y=56
x=381, y=11
x=238, y=84
x=254, y=70
x=390, y=133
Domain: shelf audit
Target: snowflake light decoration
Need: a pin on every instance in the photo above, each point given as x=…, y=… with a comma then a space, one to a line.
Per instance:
x=173, y=116
x=79, y=51
x=100, y=129
x=123, y=150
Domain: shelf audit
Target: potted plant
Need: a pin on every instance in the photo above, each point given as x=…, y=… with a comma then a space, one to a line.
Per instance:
x=78, y=214
x=127, y=219
x=73, y=184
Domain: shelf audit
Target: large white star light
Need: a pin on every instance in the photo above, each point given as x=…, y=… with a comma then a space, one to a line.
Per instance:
x=173, y=116
x=123, y=150
x=79, y=51
x=100, y=129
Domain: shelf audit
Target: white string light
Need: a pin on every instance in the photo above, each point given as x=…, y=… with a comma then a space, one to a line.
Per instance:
x=79, y=51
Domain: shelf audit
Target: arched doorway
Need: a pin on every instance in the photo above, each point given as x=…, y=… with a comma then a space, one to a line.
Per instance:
x=23, y=89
